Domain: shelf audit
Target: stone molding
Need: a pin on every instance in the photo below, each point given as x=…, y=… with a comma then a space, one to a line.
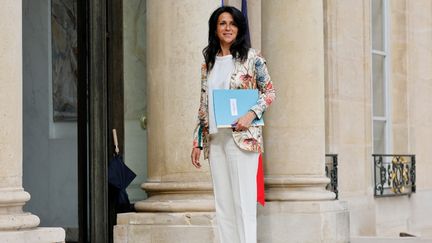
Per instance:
x=297, y=188
x=177, y=197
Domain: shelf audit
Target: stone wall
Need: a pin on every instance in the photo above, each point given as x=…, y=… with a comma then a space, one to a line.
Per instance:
x=349, y=114
x=419, y=109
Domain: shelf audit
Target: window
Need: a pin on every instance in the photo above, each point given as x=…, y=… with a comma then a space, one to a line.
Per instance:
x=380, y=77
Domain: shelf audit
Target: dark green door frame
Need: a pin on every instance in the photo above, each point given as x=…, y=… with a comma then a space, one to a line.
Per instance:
x=82, y=86
x=101, y=109
x=98, y=122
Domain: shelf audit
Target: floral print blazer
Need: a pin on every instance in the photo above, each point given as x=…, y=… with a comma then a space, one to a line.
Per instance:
x=251, y=74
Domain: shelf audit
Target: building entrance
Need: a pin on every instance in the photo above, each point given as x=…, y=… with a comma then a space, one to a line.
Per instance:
x=84, y=75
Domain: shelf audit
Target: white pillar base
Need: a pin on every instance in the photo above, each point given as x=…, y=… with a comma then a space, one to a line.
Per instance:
x=12, y=216
x=306, y=222
x=37, y=235
x=195, y=227
x=177, y=197
x=297, y=188
x=18, y=221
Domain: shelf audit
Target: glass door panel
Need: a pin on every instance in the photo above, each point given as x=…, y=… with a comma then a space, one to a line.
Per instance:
x=135, y=105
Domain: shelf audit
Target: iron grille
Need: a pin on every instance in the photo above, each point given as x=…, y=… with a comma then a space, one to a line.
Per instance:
x=331, y=170
x=395, y=174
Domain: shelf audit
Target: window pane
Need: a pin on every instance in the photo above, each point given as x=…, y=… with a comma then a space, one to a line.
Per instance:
x=378, y=85
x=377, y=25
x=379, y=137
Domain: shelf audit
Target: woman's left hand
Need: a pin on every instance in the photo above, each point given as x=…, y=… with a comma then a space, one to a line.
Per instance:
x=244, y=122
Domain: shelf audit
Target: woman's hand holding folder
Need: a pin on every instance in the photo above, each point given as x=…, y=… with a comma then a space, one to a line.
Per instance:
x=244, y=122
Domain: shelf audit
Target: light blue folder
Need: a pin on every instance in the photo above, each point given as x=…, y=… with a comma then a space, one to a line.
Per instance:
x=230, y=104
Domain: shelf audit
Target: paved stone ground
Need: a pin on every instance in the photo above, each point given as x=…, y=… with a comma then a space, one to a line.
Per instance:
x=390, y=240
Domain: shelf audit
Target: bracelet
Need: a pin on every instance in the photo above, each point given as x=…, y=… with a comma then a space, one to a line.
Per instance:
x=253, y=112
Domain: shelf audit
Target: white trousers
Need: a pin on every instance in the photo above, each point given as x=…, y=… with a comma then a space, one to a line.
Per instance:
x=234, y=184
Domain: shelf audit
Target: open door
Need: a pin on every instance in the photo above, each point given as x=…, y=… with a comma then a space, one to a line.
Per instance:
x=100, y=92
x=112, y=82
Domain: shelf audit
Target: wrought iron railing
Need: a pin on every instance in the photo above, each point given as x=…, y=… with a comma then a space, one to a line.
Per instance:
x=394, y=174
x=331, y=170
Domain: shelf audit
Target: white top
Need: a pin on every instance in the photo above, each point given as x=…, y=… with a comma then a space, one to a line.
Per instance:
x=218, y=78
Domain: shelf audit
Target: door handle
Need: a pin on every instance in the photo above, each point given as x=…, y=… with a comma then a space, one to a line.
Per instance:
x=143, y=122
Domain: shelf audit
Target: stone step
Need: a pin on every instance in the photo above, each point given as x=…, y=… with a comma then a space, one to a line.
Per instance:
x=372, y=239
x=36, y=235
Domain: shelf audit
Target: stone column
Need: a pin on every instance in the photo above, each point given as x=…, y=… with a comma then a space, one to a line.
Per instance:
x=12, y=195
x=176, y=35
x=299, y=207
x=180, y=206
x=15, y=224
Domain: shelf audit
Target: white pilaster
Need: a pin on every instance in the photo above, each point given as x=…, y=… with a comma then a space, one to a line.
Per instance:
x=15, y=224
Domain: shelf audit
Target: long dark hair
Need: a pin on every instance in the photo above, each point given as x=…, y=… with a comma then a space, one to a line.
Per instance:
x=239, y=49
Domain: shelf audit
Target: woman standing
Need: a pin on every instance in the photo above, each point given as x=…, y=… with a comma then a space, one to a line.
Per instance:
x=233, y=154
